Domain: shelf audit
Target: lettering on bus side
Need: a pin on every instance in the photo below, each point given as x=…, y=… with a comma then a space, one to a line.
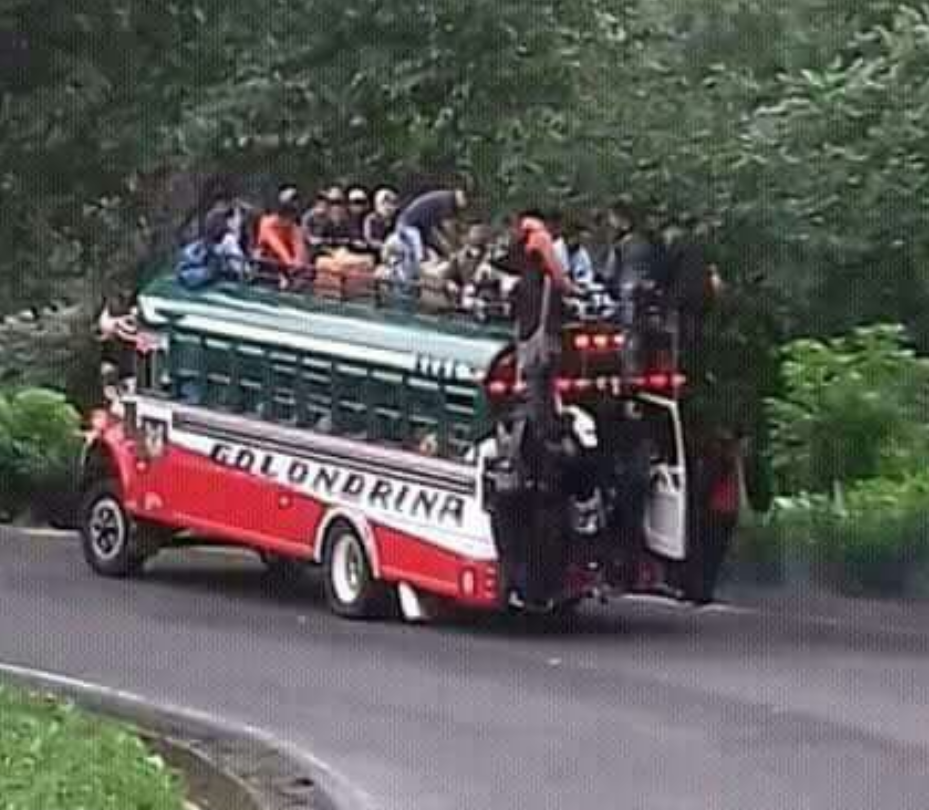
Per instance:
x=329, y=481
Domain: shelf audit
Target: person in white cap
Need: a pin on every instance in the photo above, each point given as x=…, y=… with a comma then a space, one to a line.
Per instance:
x=380, y=222
x=358, y=209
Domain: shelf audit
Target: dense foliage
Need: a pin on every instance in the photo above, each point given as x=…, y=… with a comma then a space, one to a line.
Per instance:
x=852, y=408
x=801, y=124
x=40, y=441
x=872, y=537
x=55, y=757
x=800, y=127
x=849, y=446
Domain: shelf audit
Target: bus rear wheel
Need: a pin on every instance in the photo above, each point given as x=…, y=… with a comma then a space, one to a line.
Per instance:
x=109, y=535
x=351, y=589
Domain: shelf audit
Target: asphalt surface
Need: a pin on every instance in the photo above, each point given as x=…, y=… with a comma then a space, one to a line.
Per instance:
x=635, y=706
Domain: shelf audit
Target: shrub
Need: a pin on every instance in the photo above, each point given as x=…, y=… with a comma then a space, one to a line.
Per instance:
x=868, y=539
x=853, y=408
x=39, y=444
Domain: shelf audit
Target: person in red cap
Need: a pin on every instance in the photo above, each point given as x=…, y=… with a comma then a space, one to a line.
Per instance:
x=538, y=313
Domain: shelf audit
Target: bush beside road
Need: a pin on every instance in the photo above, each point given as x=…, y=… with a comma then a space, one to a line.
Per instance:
x=40, y=443
x=55, y=757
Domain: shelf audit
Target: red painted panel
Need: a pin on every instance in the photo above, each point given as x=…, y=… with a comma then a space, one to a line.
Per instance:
x=188, y=490
x=409, y=559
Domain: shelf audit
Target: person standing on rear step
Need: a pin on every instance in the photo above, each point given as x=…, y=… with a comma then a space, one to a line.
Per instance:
x=539, y=312
x=538, y=308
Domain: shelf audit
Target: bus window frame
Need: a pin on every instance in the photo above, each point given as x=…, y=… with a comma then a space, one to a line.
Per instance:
x=454, y=410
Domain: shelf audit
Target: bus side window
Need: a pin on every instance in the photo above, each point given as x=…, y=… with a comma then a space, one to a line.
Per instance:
x=314, y=409
x=460, y=415
x=386, y=404
x=186, y=363
x=426, y=406
x=161, y=373
x=285, y=392
x=250, y=380
x=218, y=367
x=145, y=372
x=350, y=394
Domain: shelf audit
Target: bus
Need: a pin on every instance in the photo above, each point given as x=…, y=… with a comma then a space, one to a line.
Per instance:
x=364, y=438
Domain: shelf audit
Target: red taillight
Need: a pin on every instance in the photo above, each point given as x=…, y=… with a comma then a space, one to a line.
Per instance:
x=468, y=582
x=660, y=382
x=657, y=382
x=498, y=389
x=583, y=385
x=598, y=342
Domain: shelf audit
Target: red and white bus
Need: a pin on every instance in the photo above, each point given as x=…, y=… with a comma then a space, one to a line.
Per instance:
x=358, y=438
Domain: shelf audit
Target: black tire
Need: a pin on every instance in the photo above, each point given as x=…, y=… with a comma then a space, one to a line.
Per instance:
x=351, y=589
x=110, y=537
x=567, y=611
x=283, y=570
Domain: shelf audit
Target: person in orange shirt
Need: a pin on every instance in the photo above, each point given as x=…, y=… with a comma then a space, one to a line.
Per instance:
x=281, y=241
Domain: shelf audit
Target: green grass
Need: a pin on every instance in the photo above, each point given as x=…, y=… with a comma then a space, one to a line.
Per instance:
x=55, y=757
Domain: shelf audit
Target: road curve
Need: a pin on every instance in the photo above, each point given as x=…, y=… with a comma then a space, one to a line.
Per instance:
x=636, y=707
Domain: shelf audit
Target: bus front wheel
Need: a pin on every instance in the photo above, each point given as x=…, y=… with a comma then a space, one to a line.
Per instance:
x=351, y=589
x=109, y=535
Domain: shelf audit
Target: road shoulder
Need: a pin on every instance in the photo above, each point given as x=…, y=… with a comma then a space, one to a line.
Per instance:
x=264, y=772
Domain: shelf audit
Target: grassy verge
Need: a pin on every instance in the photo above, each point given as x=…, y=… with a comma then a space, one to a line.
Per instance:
x=55, y=757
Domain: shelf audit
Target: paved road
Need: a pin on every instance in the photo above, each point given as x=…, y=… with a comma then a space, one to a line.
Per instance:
x=637, y=707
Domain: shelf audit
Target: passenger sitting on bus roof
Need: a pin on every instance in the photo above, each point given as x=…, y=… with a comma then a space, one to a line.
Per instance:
x=223, y=233
x=379, y=223
x=426, y=222
x=358, y=209
x=316, y=220
x=399, y=259
x=466, y=263
x=280, y=238
x=572, y=252
x=200, y=263
x=338, y=231
x=632, y=259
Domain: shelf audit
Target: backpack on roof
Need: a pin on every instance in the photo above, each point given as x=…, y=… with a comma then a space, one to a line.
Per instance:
x=198, y=266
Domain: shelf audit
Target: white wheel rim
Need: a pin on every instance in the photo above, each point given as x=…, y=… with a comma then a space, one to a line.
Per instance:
x=348, y=563
x=107, y=529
